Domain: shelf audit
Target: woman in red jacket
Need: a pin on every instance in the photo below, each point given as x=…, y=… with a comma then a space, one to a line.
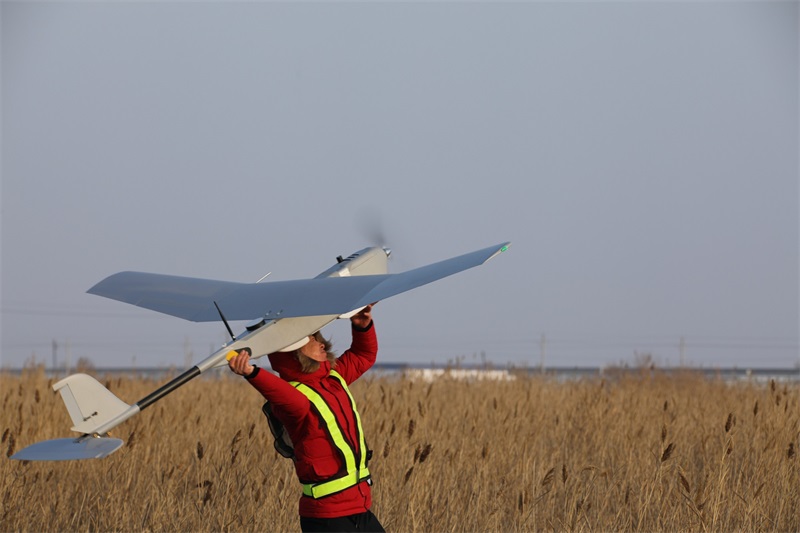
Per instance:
x=312, y=401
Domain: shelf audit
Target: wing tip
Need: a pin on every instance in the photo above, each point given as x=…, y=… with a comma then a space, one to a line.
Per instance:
x=504, y=247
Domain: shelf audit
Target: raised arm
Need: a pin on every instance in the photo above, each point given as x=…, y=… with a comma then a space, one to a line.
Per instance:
x=363, y=350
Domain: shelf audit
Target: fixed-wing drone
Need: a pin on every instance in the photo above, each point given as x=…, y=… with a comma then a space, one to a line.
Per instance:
x=282, y=315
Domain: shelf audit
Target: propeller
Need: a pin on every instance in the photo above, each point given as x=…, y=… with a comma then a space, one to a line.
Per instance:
x=370, y=222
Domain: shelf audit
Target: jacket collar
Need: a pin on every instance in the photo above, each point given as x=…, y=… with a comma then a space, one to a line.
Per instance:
x=288, y=368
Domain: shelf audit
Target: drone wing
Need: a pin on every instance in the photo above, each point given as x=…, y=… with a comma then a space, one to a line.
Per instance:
x=193, y=298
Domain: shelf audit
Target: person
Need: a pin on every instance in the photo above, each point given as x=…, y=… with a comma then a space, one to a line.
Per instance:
x=311, y=399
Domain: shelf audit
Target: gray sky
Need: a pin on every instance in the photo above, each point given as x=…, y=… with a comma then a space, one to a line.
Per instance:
x=643, y=159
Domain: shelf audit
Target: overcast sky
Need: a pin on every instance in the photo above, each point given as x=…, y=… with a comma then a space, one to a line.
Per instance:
x=642, y=158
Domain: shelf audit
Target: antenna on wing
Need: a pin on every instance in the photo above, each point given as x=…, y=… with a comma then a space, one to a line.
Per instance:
x=233, y=337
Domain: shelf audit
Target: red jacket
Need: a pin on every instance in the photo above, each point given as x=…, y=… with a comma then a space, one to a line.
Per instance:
x=316, y=457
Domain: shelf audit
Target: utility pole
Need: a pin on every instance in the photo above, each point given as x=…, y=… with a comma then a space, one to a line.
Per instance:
x=188, y=354
x=55, y=352
x=683, y=352
x=542, y=346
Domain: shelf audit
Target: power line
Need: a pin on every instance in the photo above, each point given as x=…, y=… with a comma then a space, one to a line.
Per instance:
x=73, y=312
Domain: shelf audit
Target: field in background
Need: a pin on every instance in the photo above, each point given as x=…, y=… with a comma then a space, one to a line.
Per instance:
x=636, y=452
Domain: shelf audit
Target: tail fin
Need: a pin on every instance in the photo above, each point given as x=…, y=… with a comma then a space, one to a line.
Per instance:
x=90, y=405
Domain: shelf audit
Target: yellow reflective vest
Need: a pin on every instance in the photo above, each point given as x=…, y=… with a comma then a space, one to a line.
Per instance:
x=356, y=469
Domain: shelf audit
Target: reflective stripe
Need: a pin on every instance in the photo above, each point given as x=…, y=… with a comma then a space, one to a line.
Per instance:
x=326, y=488
x=362, y=443
x=353, y=475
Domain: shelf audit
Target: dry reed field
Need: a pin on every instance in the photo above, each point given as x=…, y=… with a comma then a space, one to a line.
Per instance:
x=637, y=452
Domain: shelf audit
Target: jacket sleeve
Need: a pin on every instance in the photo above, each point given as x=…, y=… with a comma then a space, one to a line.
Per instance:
x=289, y=401
x=361, y=355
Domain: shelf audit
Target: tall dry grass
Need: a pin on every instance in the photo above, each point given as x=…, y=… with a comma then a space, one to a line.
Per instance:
x=645, y=452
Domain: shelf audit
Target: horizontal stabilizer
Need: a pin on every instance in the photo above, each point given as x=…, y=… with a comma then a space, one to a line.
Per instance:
x=89, y=404
x=86, y=447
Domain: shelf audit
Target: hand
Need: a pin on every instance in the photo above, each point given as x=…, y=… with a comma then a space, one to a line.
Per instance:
x=363, y=318
x=241, y=363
